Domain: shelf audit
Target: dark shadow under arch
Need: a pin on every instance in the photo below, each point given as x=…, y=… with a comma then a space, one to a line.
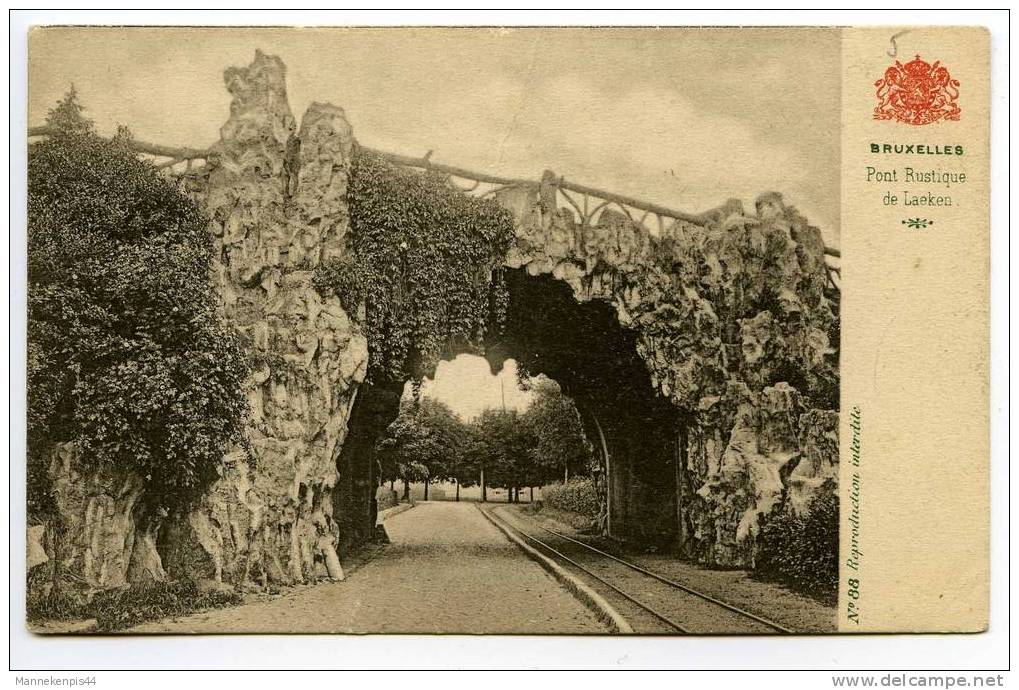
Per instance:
x=585, y=349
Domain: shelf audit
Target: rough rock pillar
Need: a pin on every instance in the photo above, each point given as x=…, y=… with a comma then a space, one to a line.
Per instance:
x=276, y=194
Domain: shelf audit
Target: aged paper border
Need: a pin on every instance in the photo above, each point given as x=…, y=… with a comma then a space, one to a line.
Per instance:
x=841, y=652
x=914, y=456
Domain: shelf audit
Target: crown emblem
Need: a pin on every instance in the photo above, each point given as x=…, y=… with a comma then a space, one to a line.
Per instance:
x=917, y=93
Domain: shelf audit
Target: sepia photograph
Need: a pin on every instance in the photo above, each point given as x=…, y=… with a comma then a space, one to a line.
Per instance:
x=433, y=330
x=377, y=342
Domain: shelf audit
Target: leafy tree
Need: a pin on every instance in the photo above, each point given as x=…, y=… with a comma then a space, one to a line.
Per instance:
x=561, y=447
x=504, y=449
x=399, y=450
x=127, y=355
x=470, y=459
x=428, y=442
x=450, y=435
x=422, y=444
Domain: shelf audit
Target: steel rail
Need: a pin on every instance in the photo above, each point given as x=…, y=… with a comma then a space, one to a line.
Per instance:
x=668, y=621
x=673, y=583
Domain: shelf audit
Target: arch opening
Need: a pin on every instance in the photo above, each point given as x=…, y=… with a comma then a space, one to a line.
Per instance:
x=635, y=432
x=594, y=359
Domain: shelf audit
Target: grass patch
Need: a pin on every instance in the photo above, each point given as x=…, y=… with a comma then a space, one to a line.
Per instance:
x=116, y=609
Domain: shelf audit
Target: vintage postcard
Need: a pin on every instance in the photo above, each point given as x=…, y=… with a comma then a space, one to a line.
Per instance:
x=561, y=331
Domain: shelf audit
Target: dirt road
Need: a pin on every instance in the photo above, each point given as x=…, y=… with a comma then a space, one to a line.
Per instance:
x=448, y=570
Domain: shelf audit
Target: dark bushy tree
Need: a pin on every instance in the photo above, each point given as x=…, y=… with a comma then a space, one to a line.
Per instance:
x=127, y=355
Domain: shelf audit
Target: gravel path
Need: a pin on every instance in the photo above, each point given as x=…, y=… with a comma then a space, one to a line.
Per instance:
x=447, y=571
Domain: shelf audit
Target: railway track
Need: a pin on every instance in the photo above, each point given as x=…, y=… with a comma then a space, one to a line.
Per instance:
x=652, y=603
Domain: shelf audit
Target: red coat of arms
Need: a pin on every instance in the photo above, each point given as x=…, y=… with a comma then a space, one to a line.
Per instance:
x=917, y=93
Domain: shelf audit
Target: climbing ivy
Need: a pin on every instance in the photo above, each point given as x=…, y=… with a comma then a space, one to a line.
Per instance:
x=127, y=356
x=424, y=261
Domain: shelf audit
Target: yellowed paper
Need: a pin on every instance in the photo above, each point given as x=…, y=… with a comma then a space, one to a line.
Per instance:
x=915, y=341
x=508, y=330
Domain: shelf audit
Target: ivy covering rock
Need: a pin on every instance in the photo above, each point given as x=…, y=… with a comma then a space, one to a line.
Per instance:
x=423, y=258
x=127, y=357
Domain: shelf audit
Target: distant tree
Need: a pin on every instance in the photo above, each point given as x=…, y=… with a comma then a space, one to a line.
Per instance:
x=399, y=450
x=561, y=448
x=68, y=115
x=504, y=449
x=447, y=432
x=510, y=449
x=471, y=459
x=422, y=444
x=127, y=354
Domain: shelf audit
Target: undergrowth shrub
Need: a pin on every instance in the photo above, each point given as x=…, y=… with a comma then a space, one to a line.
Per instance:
x=386, y=498
x=576, y=496
x=116, y=609
x=802, y=551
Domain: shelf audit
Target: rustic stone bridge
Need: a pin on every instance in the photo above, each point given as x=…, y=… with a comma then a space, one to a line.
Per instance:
x=707, y=376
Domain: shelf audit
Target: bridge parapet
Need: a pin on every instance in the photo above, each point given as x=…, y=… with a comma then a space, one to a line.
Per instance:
x=587, y=204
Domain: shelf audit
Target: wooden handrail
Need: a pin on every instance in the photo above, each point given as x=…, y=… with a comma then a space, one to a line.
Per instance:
x=561, y=182
x=179, y=153
x=425, y=163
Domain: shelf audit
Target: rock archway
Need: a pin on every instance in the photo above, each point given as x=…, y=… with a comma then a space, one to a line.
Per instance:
x=724, y=371
x=582, y=345
x=710, y=370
